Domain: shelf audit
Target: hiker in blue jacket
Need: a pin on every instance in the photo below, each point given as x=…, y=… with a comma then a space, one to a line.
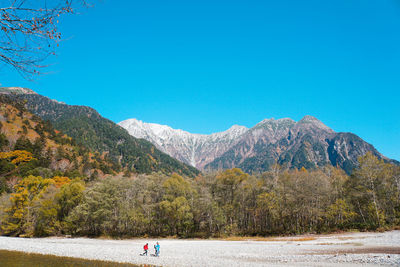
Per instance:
x=157, y=247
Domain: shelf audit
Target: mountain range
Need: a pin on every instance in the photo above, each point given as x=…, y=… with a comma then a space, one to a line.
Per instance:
x=140, y=147
x=306, y=143
x=98, y=134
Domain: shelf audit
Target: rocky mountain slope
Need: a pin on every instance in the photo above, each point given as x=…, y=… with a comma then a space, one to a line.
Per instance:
x=90, y=129
x=307, y=143
x=195, y=149
x=53, y=151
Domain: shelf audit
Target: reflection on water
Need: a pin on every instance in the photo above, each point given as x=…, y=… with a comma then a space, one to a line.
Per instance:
x=20, y=259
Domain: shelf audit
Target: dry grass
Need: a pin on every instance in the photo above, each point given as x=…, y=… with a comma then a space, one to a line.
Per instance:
x=259, y=238
x=325, y=244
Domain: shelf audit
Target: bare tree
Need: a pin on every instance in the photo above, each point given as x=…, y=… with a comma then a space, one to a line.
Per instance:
x=29, y=32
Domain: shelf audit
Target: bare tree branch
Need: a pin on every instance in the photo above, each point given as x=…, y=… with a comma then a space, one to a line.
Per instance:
x=29, y=32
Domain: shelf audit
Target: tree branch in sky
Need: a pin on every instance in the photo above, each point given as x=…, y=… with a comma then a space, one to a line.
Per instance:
x=29, y=32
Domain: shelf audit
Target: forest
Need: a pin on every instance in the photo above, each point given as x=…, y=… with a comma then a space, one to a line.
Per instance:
x=52, y=186
x=226, y=203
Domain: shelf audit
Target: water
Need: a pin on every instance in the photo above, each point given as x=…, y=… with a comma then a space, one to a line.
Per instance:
x=20, y=259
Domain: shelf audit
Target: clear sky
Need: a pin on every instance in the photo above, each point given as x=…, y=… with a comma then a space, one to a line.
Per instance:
x=204, y=65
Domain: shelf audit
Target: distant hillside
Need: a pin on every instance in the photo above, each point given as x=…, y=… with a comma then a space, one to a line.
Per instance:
x=307, y=143
x=53, y=150
x=90, y=129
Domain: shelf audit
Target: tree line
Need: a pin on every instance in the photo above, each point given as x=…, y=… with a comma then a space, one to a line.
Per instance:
x=226, y=203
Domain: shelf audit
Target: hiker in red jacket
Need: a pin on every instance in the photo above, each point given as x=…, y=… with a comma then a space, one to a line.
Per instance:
x=146, y=247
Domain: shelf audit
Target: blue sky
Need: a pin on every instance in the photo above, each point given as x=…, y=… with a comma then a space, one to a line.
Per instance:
x=203, y=66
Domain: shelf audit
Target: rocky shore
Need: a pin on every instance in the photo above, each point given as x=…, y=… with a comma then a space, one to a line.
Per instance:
x=348, y=249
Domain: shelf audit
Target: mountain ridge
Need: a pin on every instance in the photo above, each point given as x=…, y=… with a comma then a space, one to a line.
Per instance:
x=181, y=144
x=53, y=151
x=306, y=143
x=97, y=133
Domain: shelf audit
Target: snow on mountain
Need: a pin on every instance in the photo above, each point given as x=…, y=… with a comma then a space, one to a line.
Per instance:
x=194, y=149
x=306, y=143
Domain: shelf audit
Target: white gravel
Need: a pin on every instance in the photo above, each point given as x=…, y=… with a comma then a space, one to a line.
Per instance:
x=348, y=249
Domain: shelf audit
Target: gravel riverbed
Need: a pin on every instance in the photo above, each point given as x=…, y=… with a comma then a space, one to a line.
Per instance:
x=348, y=249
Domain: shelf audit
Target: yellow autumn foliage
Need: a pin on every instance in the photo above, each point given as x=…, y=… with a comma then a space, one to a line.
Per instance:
x=17, y=156
x=19, y=220
x=59, y=181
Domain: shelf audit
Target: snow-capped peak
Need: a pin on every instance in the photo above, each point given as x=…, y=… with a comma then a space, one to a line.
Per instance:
x=194, y=149
x=201, y=149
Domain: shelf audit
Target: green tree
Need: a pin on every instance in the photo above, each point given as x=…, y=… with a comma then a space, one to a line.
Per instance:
x=45, y=210
x=70, y=196
x=340, y=213
x=175, y=208
x=98, y=212
x=228, y=190
x=177, y=215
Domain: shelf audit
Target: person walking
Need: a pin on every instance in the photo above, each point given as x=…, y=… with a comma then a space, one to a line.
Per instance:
x=155, y=252
x=157, y=247
x=146, y=247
